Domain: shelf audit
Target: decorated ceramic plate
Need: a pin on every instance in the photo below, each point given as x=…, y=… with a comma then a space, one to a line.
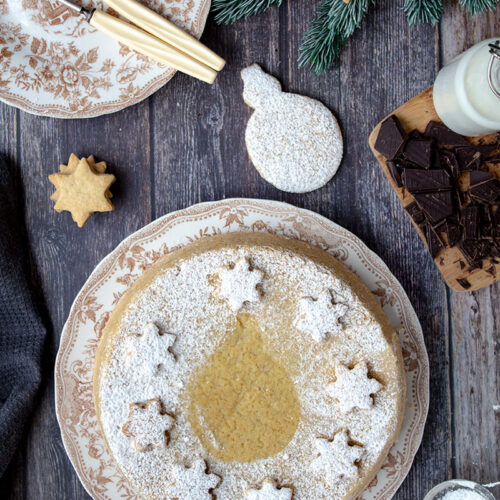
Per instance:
x=111, y=278
x=53, y=63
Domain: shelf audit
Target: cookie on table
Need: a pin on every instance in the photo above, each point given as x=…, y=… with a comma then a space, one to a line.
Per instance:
x=81, y=189
x=293, y=141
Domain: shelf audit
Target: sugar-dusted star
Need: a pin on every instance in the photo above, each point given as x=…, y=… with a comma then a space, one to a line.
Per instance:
x=337, y=458
x=238, y=284
x=149, y=352
x=82, y=192
x=353, y=388
x=269, y=491
x=193, y=483
x=320, y=317
x=148, y=424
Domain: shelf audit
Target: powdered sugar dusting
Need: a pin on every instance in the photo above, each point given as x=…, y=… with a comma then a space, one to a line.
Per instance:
x=181, y=301
x=320, y=317
x=150, y=351
x=269, y=491
x=239, y=284
x=294, y=141
x=353, y=388
x=147, y=425
x=337, y=458
x=193, y=483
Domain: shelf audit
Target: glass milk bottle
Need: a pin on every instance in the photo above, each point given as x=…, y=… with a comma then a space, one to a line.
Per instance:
x=467, y=91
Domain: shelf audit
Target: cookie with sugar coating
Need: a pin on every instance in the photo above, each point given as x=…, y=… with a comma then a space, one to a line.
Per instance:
x=294, y=142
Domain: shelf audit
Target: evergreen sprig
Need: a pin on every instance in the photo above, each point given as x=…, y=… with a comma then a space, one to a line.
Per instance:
x=423, y=11
x=229, y=11
x=334, y=23
x=477, y=6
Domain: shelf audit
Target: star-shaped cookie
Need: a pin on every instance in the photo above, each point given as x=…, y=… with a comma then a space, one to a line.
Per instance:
x=148, y=424
x=148, y=352
x=269, y=491
x=238, y=284
x=337, y=458
x=353, y=388
x=320, y=317
x=193, y=483
x=82, y=192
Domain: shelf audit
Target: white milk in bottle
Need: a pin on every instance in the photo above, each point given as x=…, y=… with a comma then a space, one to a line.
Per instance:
x=467, y=91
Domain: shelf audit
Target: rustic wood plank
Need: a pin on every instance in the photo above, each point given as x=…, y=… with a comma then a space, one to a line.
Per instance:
x=65, y=255
x=475, y=324
x=197, y=153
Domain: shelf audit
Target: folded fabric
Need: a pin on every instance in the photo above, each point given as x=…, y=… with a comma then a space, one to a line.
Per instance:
x=22, y=332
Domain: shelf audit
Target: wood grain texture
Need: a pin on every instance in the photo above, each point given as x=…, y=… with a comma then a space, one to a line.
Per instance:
x=474, y=320
x=185, y=144
x=416, y=114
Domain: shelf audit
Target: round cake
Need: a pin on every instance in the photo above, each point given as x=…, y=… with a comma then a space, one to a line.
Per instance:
x=249, y=366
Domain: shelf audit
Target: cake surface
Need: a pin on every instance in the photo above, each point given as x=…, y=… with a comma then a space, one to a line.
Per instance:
x=249, y=366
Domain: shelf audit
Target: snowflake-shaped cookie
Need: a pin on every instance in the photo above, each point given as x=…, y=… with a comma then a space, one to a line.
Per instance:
x=336, y=457
x=353, y=388
x=193, y=483
x=150, y=350
x=269, y=491
x=239, y=284
x=148, y=425
x=320, y=317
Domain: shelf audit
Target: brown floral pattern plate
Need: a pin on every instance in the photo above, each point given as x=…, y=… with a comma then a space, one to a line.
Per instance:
x=93, y=305
x=53, y=63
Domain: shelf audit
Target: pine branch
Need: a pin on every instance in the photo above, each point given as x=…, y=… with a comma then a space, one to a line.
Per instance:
x=334, y=23
x=229, y=11
x=423, y=11
x=477, y=6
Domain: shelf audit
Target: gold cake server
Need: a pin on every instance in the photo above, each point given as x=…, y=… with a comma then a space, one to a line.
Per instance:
x=150, y=45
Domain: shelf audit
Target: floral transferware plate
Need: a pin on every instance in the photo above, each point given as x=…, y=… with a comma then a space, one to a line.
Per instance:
x=53, y=63
x=111, y=278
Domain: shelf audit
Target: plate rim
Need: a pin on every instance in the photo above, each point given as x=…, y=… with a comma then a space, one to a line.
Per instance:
x=111, y=106
x=107, y=262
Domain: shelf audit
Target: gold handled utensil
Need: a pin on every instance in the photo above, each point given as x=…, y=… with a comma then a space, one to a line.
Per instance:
x=156, y=47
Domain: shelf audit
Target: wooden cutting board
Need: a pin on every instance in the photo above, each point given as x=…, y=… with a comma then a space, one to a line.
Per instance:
x=416, y=114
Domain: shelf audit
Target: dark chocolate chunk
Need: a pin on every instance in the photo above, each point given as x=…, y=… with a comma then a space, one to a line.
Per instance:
x=468, y=158
x=479, y=177
x=464, y=283
x=448, y=161
x=391, y=137
x=419, y=151
x=462, y=264
x=453, y=233
x=393, y=169
x=434, y=242
x=436, y=205
x=423, y=181
x=443, y=135
x=415, y=213
x=491, y=270
x=485, y=192
x=469, y=222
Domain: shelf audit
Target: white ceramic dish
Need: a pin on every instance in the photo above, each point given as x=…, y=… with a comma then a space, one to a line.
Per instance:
x=75, y=360
x=53, y=63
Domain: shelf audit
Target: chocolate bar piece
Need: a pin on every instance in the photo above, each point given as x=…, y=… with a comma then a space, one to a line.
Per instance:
x=415, y=213
x=391, y=137
x=395, y=173
x=419, y=151
x=423, y=181
x=468, y=158
x=449, y=162
x=436, y=206
x=453, y=233
x=486, y=192
x=464, y=283
x=434, y=242
x=443, y=135
x=469, y=222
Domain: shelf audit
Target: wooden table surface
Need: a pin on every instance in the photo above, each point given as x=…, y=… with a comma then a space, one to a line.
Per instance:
x=185, y=144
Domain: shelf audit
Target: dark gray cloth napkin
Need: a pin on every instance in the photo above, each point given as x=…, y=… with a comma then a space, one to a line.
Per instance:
x=22, y=332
